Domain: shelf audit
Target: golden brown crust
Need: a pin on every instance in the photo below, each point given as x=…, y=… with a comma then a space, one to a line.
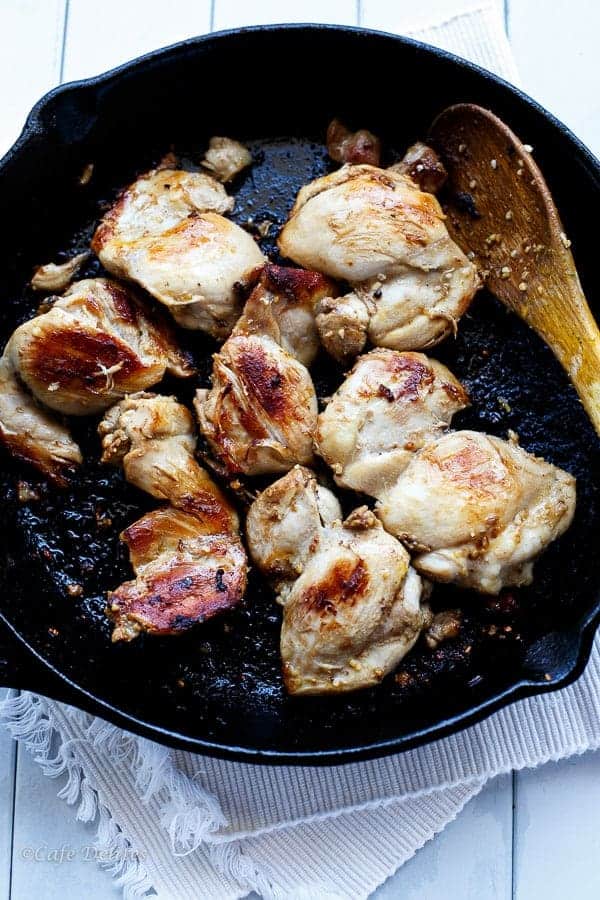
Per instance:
x=188, y=558
x=178, y=590
x=32, y=434
x=57, y=470
x=299, y=285
x=157, y=532
x=343, y=584
x=260, y=414
x=96, y=344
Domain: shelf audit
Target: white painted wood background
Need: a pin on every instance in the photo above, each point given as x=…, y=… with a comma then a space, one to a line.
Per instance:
x=530, y=836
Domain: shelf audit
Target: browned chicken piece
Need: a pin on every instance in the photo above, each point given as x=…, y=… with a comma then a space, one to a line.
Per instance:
x=167, y=232
x=32, y=434
x=95, y=345
x=56, y=277
x=153, y=438
x=376, y=230
x=390, y=405
x=345, y=146
x=352, y=603
x=183, y=575
x=477, y=511
x=188, y=558
x=260, y=415
x=226, y=158
x=423, y=165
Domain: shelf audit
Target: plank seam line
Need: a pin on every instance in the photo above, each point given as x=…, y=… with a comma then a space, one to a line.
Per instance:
x=12, y=830
x=64, y=43
x=513, y=843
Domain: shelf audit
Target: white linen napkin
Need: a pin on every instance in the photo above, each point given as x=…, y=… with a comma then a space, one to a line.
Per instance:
x=192, y=827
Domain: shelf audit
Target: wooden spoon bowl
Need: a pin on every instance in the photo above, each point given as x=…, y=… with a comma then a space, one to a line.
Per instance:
x=500, y=211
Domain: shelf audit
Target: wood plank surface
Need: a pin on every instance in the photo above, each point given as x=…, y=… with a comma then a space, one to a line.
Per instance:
x=31, y=41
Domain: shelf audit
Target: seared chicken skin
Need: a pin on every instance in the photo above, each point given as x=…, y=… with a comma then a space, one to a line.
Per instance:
x=95, y=345
x=260, y=415
x=188, y=558
x=167, y=232
x=352, y=603
x=30, y=433
x=390, y=405
x=476, y=510
x=377, y=230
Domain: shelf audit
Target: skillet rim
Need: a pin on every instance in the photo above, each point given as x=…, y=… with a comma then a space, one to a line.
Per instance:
x=583, y=630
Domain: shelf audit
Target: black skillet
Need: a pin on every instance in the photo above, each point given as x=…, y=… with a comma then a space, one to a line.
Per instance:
x=217, y=690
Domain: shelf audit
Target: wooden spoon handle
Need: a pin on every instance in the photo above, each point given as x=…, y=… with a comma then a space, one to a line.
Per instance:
x=570, y=330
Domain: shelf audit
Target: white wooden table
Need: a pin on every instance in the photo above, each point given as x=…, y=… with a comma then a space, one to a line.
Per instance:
x=526, y=836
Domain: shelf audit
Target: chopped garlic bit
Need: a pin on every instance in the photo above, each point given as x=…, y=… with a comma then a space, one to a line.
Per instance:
x=527, y=148
x=226, y=158
x=26, y=493
x=264, y=228
x=57, y=276
x=86, y=175
x=494, y=163
x=445, y=626
x=565, y=240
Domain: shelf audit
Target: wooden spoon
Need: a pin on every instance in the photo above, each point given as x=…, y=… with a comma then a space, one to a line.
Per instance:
x=501, y=212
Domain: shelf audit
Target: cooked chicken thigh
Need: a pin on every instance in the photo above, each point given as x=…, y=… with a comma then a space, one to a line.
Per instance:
x=423, y=165
x=351, y=600
x=167, y=232
x=389, y=406
x=183, y=576
x=226, y=158
x=347, y=146
x=478, y=510
x=188, y=558
x=96, y=344
x=30, y=433
x=376, y=230
x=260, y=415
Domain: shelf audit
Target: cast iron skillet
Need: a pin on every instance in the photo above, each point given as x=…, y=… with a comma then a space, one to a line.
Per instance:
x=217, y=690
